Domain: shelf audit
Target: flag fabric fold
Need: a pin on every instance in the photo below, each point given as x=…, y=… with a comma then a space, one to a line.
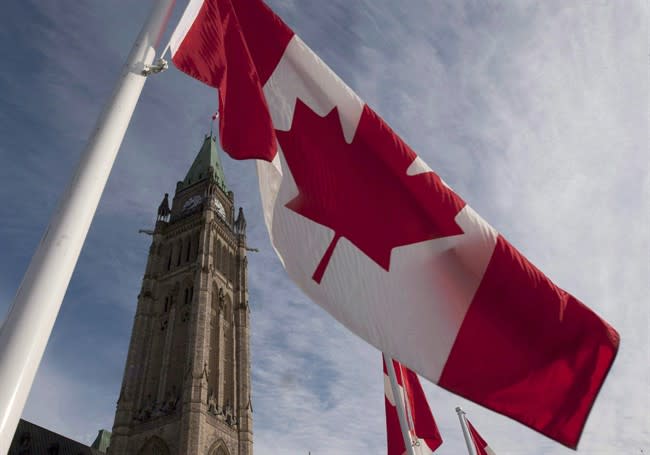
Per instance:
x=482, y=448
x=422, y=425
x=378, y=239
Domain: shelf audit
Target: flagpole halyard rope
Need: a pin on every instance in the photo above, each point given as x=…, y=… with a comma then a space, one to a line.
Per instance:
x=165, y=50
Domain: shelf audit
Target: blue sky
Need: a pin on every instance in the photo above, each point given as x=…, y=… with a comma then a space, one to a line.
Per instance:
x=534, y=112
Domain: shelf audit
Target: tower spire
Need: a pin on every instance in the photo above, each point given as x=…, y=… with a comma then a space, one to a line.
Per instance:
x=186, y=384
x=206, y=165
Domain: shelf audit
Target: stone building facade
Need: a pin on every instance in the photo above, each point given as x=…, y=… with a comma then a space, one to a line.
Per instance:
x=186, y=387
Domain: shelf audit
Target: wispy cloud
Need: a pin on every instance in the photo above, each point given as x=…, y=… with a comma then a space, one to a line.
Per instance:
x=535, y=113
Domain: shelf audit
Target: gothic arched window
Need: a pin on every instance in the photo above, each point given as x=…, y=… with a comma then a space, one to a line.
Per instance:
x=180, y=252
x=227, y=314
x=216, y=253
x=197, y=241
x=222, y=258
x=226, y=263
x=218, y=448
x=215, y=304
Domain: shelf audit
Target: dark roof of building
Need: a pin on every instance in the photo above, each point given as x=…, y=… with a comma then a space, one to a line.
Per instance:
x=30, y=439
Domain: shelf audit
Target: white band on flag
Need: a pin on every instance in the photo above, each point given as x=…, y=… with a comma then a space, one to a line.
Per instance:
x=189, y=15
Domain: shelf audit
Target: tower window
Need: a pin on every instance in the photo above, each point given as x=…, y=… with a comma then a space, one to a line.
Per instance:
x=222, y=259
x=169, y=259
x=180, y=253
x=196, y=245
x=226, y=265
x=189, y=247
x=215, y=254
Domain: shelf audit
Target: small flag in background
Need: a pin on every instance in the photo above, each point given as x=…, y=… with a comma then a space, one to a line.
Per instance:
x=423, y=428
x=481, y=446
x=375, y=237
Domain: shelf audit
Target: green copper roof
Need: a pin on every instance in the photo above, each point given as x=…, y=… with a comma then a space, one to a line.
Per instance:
x=207, y=157
x=102, y=441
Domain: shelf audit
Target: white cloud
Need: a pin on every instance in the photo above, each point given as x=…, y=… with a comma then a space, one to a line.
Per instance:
x=544, y=111
x=535, y=113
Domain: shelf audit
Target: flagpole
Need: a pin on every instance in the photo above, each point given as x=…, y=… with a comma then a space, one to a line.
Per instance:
x=471, y=449
x=25, y=331
x=399, y=405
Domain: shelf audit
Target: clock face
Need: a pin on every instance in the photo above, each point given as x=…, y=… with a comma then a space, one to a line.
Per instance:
x=192, y=202
x=220, y=210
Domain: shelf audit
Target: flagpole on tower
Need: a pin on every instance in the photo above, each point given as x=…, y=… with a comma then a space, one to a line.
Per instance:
x=471, y=449
x=27, y=327
x=215, y=116
x=399, y=405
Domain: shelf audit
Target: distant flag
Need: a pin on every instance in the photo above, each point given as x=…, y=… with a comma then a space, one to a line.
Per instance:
x=422, y=426
x=482, y=448
x=377, y=239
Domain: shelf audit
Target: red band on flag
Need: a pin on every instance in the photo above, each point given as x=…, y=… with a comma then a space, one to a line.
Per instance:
x=235, y=47
x=550, y=348
x=482, y=447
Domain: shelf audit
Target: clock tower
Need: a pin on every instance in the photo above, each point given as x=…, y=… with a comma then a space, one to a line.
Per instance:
x=186, y=387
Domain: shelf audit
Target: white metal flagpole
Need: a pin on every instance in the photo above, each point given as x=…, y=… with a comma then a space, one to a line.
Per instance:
x=399, y=404
x=463, y=424
x=27, y=327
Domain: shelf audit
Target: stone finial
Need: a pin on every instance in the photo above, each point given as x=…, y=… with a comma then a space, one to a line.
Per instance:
x=163, y=209
x=240, y=222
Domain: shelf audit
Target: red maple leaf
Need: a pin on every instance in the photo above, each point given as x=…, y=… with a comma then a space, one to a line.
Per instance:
x=361, y=190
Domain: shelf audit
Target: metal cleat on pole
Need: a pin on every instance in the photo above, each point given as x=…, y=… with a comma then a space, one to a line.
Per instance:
x=158, y=66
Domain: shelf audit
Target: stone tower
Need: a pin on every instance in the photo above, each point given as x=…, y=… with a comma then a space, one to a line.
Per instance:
x=186, y=387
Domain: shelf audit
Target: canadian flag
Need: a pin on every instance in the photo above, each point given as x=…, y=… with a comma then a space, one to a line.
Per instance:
x=375, y=237
x=422, y=426
x=479, y=443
